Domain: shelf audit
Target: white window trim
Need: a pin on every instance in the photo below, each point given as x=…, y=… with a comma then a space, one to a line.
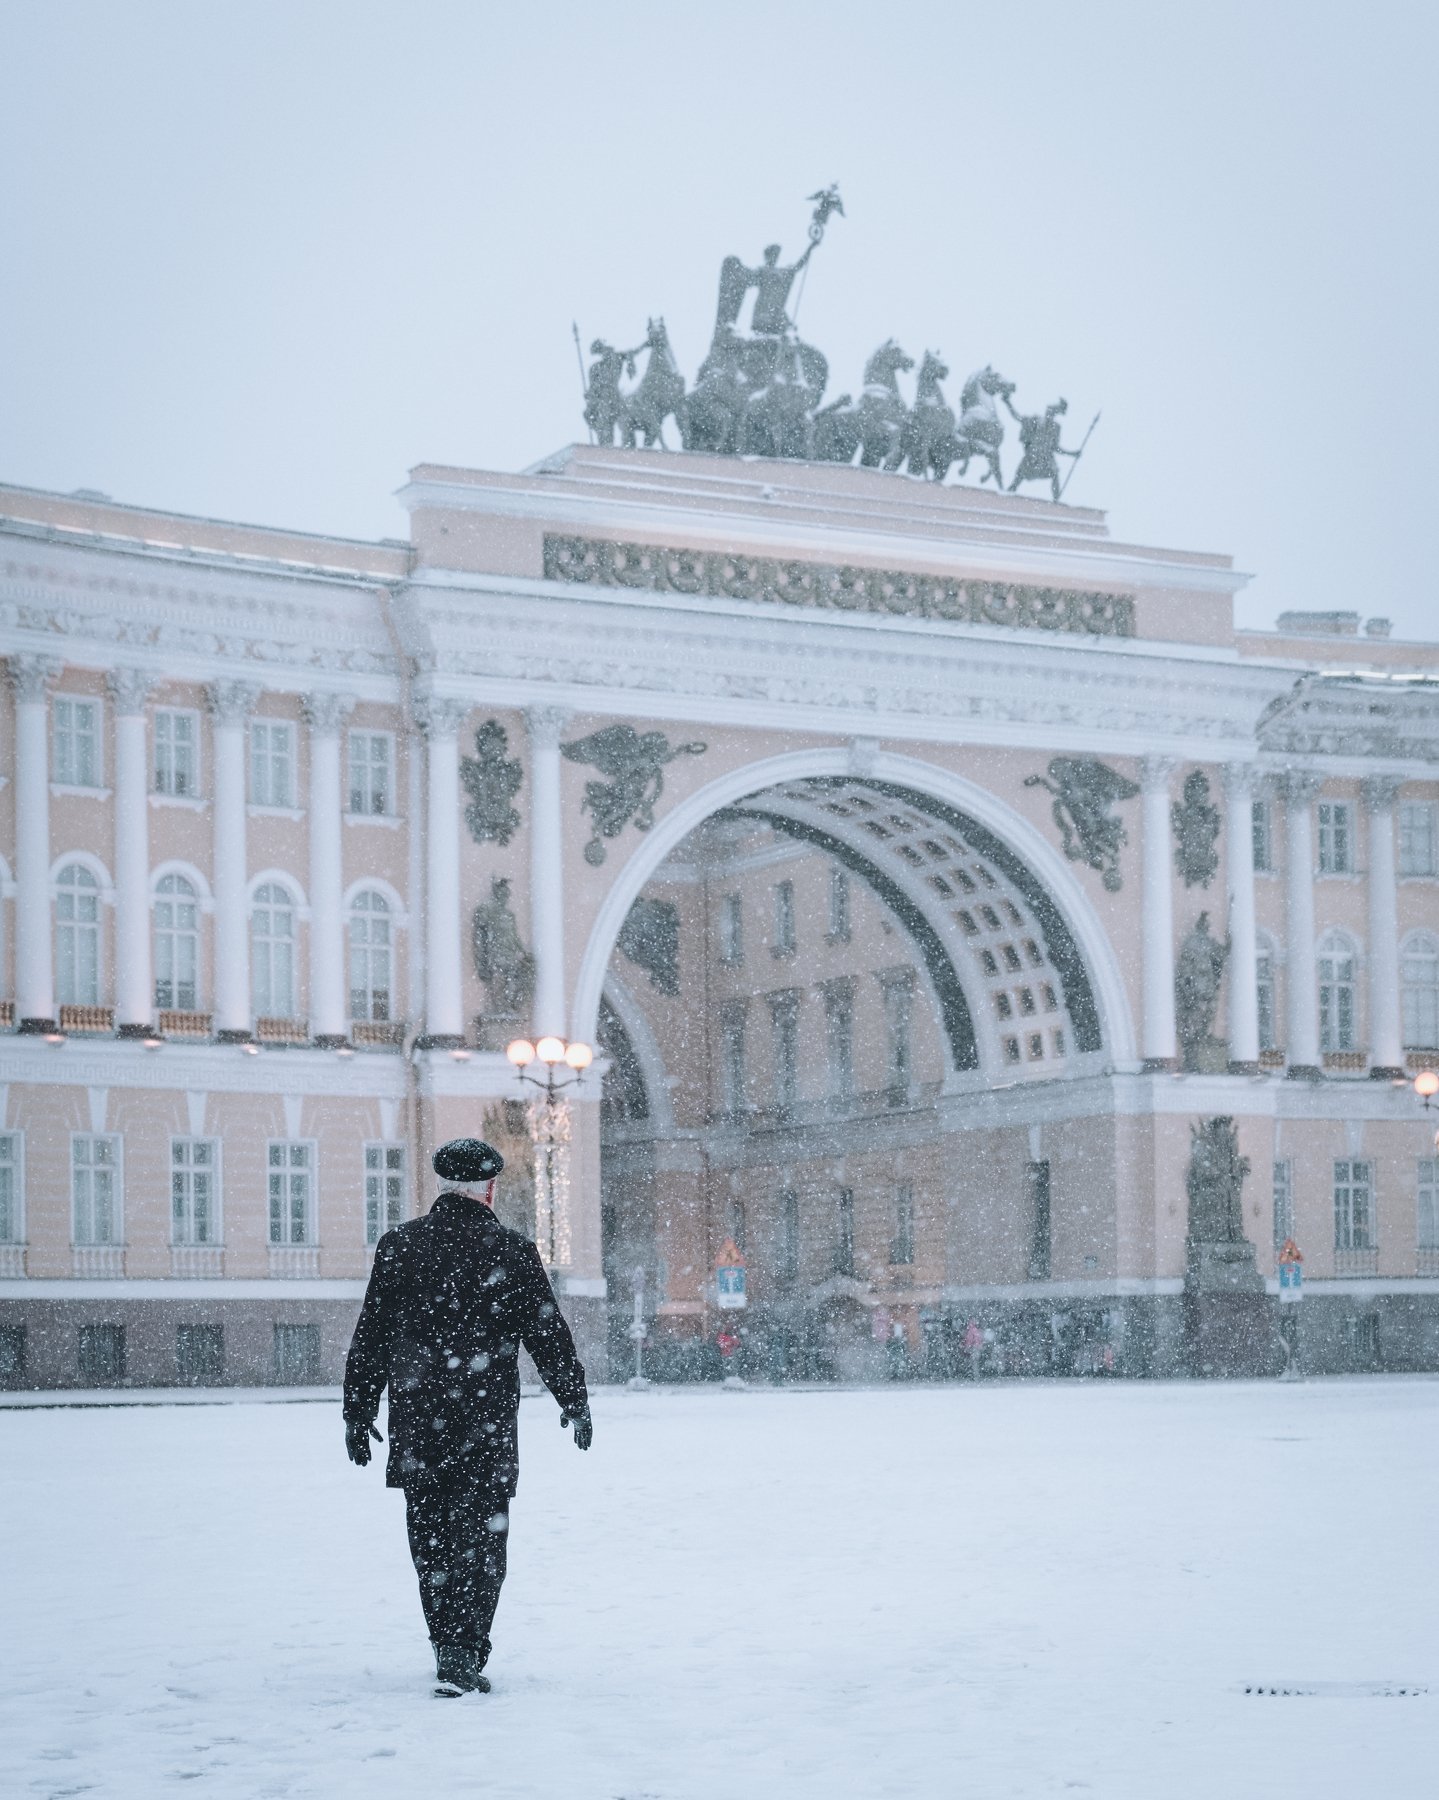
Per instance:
x=377, y=731
x=382, y=1144
x=217, y=1242
x=117, y=1242
x=21, y=1221
x=312, y=1222
x=1352, y=872
x=99, y=791
x=264, y=809
x=1432, y=808
x=188, y=712
x=203, y=897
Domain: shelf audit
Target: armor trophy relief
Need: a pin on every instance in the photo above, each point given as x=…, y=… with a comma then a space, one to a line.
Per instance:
x=760, y=391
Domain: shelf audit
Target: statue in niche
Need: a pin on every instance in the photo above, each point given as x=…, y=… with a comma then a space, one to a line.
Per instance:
x=1198, y=978
x=491, y=778
x=634, y=762
x=650, y=938
x=1215, y=1183
x=1084, y=791
x=1196, y=831
x=502, y=963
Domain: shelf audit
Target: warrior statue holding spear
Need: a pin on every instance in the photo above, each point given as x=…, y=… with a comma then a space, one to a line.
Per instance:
x=1039, y=434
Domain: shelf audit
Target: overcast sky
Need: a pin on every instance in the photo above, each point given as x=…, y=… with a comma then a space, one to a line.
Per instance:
x=257, y=259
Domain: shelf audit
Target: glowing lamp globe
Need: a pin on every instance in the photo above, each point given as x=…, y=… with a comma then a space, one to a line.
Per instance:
x=1426, y=1084
x=520, y=1052
x=579, y=1056
x=550, y=1049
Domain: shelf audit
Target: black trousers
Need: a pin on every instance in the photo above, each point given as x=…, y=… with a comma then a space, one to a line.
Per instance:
x=459, y=1533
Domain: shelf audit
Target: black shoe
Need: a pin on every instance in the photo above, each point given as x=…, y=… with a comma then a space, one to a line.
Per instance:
x=458, y=1671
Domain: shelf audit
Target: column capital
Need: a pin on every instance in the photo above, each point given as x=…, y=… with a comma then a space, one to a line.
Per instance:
x=1242, y=781
x=1154, y=772
x=231, y=702
x=129, y=689
x=1379, y=792
x=544, y=724
x=1300, y=787
x=325, y=712
x=32, y=676
x=438, y=715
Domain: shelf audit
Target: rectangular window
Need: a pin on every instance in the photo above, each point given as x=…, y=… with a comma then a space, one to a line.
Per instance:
x=1264, y=987
x=95, y=1189
x=787, y=1269
x=784, y=938
x=272, y=763
x=194, y=1191
x=12, y=1352
x=384, y=1189
x=1283, y=1203
x=1419, y=995
x=1263, y=841
x=199, y=1354
x=372, y=780
x=901, y=1246
x=1337, y=1010
x=844, y=1242
x=898, y=1019
x=177, y=753
x=731, y=930
x=784, y=1018
x=1418, y=838
x=102, y=1353
x=1041, y=1228
x=1353, y=1206
x=839, y=1038
x=12, y=1221
x=1336, y=837
x=77, y=743
x=1429, y=1202
x=838, y=906
x=292, y=1193
x=297, y=1353
x=732, y=1083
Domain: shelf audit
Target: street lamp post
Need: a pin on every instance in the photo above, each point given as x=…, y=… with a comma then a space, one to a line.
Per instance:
x=637, y=1327
x=549, y=1121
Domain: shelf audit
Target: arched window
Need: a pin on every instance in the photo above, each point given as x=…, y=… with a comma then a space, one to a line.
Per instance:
x=177, y=945
x=371, y=956
x=1337, y=1011
x=1267, y=992
x=1419, y=974
x=77, y=936
x=272, y=953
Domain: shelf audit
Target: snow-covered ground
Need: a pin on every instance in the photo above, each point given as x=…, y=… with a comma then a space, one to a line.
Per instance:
x=1009, y=1590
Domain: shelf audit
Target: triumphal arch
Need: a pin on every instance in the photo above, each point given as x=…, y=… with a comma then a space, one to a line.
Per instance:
x=999, y=951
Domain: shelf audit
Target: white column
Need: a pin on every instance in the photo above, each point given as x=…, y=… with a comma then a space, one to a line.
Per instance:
x=31, y=678
x=1158, y=1043
x=231, y=703
x=1239, y=782
x=439, y=719
x=1386, y=1049
x=547, y=874
x=134, y=988
x=329, y=1010
x=1301, y=974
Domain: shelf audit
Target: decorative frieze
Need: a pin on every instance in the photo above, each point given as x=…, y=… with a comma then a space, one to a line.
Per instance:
x=837, y=587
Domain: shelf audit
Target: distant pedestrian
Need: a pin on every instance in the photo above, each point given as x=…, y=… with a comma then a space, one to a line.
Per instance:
x=451, y=1298
x=974, y=1347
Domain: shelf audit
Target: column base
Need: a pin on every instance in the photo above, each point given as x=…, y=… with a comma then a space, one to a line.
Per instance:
x=1244, y=1068
x=1388, y=1072
x=133, y=1033
x=233, y=1034
x=1303, y=1072
x=37, y=1028
x=441, y=1040
x=1160, y=1065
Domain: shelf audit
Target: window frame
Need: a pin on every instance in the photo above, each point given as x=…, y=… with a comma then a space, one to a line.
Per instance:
x=784, y=1048
x=390, y=808
x=841, y=909
x=898, y=988
x=216, y=1239
x=1334, y=837
x=1338, y=995
x=268, y=760
x=731, y=930
x=286, y=1241
x=1416, y=997
x=839, y=997
x=1354, y=1222
x=355, y=915
x=172, y=933
x=15, y=1165
x=64, y=965
x=1426, y=1185
x=1282, y=1201
x=158, y=775
x=1262, y=835
x=381, y=1222
x=292, y=905
x=1266, y=992
x=95, y=735
x=1409, y=864
x=734, y=1081
x=786, y=935
x=901, y=1245
x=116, y=1239
x=787, y=1262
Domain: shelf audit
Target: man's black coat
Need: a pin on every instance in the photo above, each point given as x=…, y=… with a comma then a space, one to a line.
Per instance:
x=451, y=1298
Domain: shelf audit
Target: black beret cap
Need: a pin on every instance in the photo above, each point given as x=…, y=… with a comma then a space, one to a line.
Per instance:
x=468, y=1160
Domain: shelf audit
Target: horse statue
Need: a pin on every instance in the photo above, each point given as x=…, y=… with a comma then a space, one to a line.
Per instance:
x=874, y=425
x=981, y=430
x=930, y=445
x=777, y=415
x=658, y=395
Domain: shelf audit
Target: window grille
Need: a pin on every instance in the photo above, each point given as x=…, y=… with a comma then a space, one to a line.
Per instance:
x=384, y=1189
x=732, y=930
x=177, y=753
x=77, y=937
x=1428, y=1198
x=291, y=1193
x=1263, y=839
x=787, y=1270
x=784, y=1017
x=1036, y=1181
x=194, y=1191
x=372, y=755
x=95, y=1189
x=784, y=932
x=839, y=927
x=177, y=945
x=839, y=1038
x=77, y=743
x=1336, y=837
x=1418, y=838
x=1353, y=1205
x=272, y=763
x=844, y=1243
x=272, y=953
x=1266, y=996
x=297, y=1353
x=371, y=957
x=1337, y=1008
x=1419, y=974
x=1283, y=1202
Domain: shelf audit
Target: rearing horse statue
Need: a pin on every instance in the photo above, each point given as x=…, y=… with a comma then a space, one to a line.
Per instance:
x=658, y=395
x=930, y=445
x=875, y=425
x=981, y=430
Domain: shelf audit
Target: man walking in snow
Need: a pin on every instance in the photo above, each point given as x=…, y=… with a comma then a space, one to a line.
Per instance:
x=451, y=1298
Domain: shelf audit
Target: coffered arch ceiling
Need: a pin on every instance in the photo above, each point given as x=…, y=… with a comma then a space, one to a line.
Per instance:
x=1014, y=996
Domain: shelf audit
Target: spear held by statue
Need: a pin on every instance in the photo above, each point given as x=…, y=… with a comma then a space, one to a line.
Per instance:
x=1077, y=454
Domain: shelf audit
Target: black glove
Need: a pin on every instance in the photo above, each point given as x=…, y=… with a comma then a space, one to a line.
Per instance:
x=357, y=1441
x=584, y=1426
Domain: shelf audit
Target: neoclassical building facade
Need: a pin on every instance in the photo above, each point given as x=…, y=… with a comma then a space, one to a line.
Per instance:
x=925, y=864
